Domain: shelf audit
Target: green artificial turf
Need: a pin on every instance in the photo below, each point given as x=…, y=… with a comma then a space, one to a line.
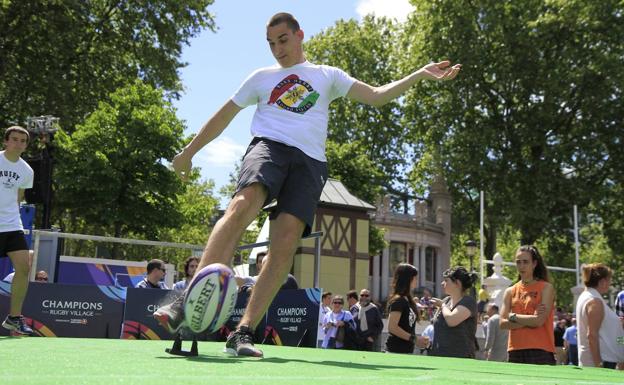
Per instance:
x=69, y=361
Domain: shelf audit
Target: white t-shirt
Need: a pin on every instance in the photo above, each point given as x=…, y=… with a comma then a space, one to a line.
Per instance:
x=13, y=176
x=293, y=103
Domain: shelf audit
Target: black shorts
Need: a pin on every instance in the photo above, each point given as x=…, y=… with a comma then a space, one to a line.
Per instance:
x=12, y=241
x=532, y=356
x=290, y=176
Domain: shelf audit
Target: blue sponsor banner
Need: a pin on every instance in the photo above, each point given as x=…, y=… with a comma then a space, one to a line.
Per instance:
x=56, y=310
x=140, y=324
x=292, y=318
x=138, y=320
x=60, y=310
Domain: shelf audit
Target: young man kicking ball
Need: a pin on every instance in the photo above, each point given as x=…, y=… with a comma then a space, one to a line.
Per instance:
x=285, y=161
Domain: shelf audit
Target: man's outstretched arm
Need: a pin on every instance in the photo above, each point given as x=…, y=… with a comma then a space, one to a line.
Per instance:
x=378, y=96
x=210, y=130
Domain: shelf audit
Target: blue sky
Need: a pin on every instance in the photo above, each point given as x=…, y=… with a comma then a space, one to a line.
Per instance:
x=219, y=62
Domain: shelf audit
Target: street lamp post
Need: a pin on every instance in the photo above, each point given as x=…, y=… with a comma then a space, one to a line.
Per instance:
x=471, y=250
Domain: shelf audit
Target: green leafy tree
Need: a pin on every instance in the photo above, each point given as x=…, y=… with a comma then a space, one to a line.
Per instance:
x=199, y=208
x=63, y=57
x=113, y=176
x=366, y=51
x=535, y=115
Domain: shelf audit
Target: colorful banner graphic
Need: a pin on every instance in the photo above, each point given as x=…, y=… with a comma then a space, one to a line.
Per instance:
x=138, y=321
x=82, y=273
x=55, y=310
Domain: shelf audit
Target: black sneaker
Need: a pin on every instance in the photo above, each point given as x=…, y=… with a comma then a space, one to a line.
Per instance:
x=171, y=316
x=240, y=343
x=17, y=325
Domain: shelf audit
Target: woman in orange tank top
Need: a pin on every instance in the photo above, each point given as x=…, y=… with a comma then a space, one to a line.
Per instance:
x=528, y=311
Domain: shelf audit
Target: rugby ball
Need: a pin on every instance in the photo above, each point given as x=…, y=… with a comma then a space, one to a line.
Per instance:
x=210, y=298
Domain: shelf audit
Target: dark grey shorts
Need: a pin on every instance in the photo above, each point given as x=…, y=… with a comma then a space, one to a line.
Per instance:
x=290, y=176
x=12, y=241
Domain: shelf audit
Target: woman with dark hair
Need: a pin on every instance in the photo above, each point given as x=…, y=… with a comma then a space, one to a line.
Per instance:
x=455, y=322
x=528, y=311
x=403, y=313
x=190, y=266
x=598, y=327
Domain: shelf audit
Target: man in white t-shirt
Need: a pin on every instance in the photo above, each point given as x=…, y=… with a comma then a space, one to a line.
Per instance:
x=285, y=160
x=15, y=176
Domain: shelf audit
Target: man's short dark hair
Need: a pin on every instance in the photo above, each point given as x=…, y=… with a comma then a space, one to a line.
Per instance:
x=284, y=17
x=352, y=294
x=326, y=294
x=19, y=129
x=155, y=264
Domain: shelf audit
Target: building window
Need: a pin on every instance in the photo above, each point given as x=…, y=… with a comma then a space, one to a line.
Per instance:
x=430, y=265
x=398, y=253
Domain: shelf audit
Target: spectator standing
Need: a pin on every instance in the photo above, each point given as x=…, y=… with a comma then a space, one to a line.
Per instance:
x=335, y=324
x=402, y=312
x=599, y=328
x=619, y=304
x=484, y=298
x=368, y=322
x=496, y=339
x=559, y=330
x=326, y=302
x=352, y=301
x=155, y=273
x=528, y=311
x=425, y=304
x=570, y=343
x=455, y=322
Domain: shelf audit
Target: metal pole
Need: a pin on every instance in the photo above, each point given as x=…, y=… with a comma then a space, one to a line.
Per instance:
x=576, y=247
x=33, y=268
x=481, y=236
x=317, y=261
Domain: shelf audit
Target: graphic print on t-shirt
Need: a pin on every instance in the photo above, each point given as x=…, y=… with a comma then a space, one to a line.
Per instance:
x=294, y=95
x=9, y=178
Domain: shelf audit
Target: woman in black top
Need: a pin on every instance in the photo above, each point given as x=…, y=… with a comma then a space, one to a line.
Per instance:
x=455, y=322
x=402, y=312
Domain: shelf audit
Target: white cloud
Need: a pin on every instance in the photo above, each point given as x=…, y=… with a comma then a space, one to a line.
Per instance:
x=397, y=9
x=222, y=152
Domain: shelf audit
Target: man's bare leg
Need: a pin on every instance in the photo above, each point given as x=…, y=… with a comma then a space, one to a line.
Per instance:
x=225, y=236
x=286, y=232
x=241, y=211
x=19, y=287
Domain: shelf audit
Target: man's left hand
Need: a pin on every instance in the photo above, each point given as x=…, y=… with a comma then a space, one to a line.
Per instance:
x=440, y=71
